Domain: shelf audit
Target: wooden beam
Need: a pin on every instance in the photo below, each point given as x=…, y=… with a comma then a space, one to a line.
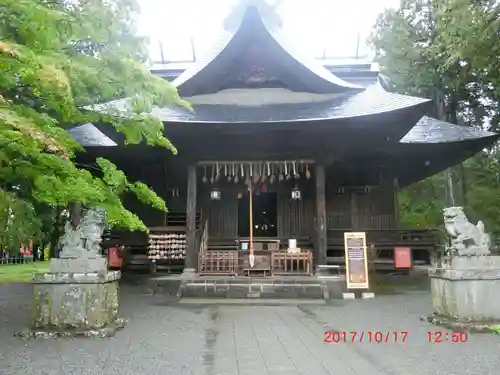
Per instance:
x=321, y=215
x=191, y=250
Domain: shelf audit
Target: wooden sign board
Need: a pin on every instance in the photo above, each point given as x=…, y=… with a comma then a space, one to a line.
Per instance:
x=402, y=257
x=356, y=261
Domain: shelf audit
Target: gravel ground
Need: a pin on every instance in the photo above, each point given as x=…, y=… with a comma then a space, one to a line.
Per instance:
x=165, y=338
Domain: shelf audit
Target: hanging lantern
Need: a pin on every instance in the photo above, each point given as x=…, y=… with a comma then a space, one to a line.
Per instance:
x=215, y=195
x=295, y=193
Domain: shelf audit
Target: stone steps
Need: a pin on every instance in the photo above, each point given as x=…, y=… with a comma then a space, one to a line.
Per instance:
x=251, y=302
x=250, y=288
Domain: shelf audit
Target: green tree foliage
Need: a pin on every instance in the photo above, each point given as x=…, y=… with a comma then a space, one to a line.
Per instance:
x=58, y=57
x=472, y=36
x=447, y=50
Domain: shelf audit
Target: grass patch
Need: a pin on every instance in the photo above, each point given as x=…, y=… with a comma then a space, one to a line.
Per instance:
x=495, y=329
x=21, y=273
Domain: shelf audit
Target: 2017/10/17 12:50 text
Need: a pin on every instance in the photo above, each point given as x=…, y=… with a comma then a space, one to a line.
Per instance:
x=397, y=337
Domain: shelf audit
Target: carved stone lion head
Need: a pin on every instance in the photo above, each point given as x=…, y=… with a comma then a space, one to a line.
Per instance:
x=97, y=215
x=451, y=213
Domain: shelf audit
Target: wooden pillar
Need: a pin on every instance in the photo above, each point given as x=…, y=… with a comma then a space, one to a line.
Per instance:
x=191, y=250
x=396, y=202
x=321, y=240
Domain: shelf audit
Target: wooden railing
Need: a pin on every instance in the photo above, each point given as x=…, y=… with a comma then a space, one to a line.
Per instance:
x=284, y=263
x=215, y=262
x=218, y=263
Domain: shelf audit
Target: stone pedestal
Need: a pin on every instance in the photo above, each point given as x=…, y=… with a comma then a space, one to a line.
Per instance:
x=76, y=304
x=466, y=289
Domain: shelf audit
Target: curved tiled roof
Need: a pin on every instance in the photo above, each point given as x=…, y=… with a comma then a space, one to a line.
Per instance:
x=413, y=162
x=374, y=100
x=426, y=131
x=226, y=60
x=430, y=130
x=89, y=136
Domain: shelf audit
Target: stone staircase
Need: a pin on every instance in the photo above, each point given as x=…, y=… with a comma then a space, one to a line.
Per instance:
x=284, y=287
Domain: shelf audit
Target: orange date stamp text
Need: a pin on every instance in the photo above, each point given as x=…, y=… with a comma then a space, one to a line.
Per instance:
x=359, y=337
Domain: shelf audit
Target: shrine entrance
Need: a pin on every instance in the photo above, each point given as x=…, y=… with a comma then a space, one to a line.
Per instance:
x=265, y=215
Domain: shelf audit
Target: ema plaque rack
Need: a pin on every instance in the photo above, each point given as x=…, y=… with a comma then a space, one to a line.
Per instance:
x=167, y=246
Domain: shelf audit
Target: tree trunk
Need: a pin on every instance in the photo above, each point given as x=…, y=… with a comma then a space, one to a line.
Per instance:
x=56, y=234
x=42, y=253
x=455, y=188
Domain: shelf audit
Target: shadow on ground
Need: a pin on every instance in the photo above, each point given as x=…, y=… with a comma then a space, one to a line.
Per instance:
x=400, y=283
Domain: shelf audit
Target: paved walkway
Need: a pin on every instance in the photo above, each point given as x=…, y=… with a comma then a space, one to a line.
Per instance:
x=164, y=338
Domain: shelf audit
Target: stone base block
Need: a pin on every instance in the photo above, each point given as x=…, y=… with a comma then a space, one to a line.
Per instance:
x=488, y=262
x=39, y=333
x=78, y=265
x=73, y=303
x=469, y=291
x=348, y=296
x=355, y=295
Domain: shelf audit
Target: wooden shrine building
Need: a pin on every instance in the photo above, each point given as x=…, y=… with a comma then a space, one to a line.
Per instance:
x=323, y=151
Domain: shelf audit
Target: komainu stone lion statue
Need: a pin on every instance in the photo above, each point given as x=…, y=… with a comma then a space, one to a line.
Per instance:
x=84, y=240
x=466, y=238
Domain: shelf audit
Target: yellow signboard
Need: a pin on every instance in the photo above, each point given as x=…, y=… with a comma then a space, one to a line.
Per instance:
x=356, y=262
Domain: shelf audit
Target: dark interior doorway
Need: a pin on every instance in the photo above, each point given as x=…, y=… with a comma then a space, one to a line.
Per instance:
x=265, y=215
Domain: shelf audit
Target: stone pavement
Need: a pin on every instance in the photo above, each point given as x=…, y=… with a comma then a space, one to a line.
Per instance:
x=165, y=338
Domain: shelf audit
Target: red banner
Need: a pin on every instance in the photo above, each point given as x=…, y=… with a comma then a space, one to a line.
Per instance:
x=402, y=257
x=114, y=258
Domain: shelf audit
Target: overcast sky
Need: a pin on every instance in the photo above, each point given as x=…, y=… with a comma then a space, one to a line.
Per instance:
x=331, y=26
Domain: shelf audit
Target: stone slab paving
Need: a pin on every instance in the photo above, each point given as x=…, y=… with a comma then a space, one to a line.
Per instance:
x=165, y=338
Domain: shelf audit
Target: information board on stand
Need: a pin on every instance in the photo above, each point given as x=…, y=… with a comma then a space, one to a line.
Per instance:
x=356, y=261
